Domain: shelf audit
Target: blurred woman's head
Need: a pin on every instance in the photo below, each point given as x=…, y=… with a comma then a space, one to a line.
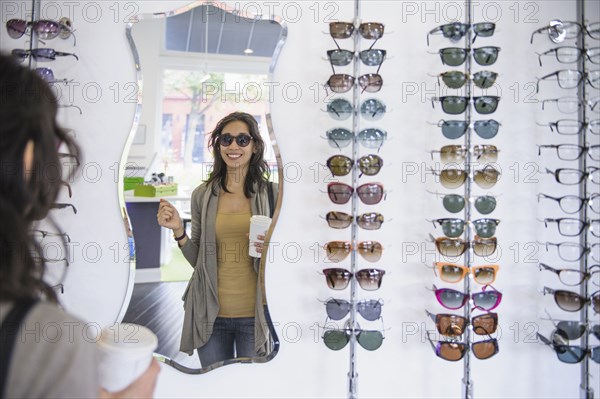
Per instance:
x=30, y=173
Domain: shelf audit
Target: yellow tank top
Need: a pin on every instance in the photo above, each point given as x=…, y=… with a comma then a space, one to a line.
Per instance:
x=235, y=271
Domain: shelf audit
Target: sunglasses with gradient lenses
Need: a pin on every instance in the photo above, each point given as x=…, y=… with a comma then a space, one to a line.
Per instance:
x=44, y=28
x=368, y=30
x=454, y=203
x=458, y=153
x=570, y=301
x=457, y=79
x=242, y=140
x=488, y=299
x=484, y=178
x=341, y=165
x=369, y=193
x=454, y=326
x=341, y=109
x=457, y=30
x=369, y=309
x=453, y=247
x=453, y=273
x=486, y=129
x=337, y=251
x=337, y=339
x=573, y=204
x=456, y=56
x=368, y=279
x=367, y=221
x=455, y=105
x=574, y=277
x=572, y=330
x=343, y=83
x=370, y=57
x=453, y=227
x=454, y=351
x=40, y=54
x=571, y=354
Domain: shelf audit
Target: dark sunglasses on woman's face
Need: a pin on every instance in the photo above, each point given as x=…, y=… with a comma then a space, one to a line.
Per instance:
x=570, y=301
x=574, y=126
x=454, y=129
x=454, y=326
x=369, y=309
x=41, y=54
x=573, y=204
x=367, y=221
x=566, y=353
x=572, y=54
x=454, y=351
x=455, y=105
x=456, y=56
x=569, y=30
x=242, y=140
x=44, y=28
x=574, y=277
x=457, y=30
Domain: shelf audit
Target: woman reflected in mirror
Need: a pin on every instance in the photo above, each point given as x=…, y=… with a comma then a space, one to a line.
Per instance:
x=224, y=302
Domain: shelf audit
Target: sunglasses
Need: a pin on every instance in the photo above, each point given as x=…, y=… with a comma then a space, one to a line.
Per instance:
x=242, y=140
x=572, y=152
x=342, y=83
x=574, y=277
x=454, y=351
x=572, y=227
x=573, y=204
x=457, y=79
x=341, y=109
x=455, y=105
x=454, y=178
x=370, y=57
x=40, y=54
x=452, y=325
x=573, y=252
x=367, y=221
x=48, y=76
x=369, y=193
x=369, y=309
x=487, y=299
x=568, y=176
x=569, y=30
x=486, y=129
x=456, y=56
x=571, y=354
x=452, y=227
x=42, y=234
x=573, y=329
x=458, y=153
x=569, y=105
x=572, y=54
x=337, y=251
x=570, y=301
x=454, y=247
x=571, y=78
x=337, y=339
x=44, y=28
x=455, y=203
x=368, y=30
x=457, y=30
x=574, y=127
x=453, y=273
x=369, y=138
x=341, y=165
x=368, y=279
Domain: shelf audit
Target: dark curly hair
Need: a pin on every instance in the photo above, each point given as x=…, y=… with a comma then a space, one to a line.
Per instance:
x=28, y=111
x=258, y=169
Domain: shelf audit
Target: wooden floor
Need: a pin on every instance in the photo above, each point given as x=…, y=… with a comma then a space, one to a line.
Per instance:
x=159, y=307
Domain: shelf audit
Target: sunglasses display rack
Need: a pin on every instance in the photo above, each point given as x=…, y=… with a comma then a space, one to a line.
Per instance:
x=477, y=234
x=585, y=180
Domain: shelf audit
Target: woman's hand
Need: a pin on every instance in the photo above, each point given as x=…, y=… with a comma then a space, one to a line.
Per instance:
x=143, y=387
x=168, y=217
x=259, y=243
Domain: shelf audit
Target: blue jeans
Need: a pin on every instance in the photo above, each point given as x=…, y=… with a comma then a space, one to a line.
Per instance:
x=228, y=334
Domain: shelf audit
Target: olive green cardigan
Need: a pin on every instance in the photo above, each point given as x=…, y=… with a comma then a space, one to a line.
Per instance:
x=201, y=302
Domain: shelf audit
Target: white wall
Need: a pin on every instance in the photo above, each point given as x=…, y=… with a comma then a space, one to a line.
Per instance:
x=405, y=365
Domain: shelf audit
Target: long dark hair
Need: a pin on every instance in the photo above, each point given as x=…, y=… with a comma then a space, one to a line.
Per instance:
x=258, y=169
x=28, y=111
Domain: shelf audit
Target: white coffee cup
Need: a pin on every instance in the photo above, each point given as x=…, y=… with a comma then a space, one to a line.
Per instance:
x=125, y=353
x=259, y=224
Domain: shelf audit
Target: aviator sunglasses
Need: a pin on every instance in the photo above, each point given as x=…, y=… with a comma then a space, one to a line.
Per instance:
x=337, y=251
x=367, y=221
x=453, y=247
x=456, y=56
x=242, y=140
x=338, y=339
x=457, y=30
x=454, y=178
x=341, y=165
x=368, y=279
x=566, y=353
x=455, y=105
x=341, y=109
x=454, y=351
x=488, y=299
x=369, y=193
x=452, y=325
x=454, y=129
x=452, y=227
x=40, y=54
x=453, y=273
x=370, y=57
x=369, y=309
x=458, y=153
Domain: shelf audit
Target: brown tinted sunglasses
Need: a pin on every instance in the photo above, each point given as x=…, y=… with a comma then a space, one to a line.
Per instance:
x=337, y=251
x=454, y=325
x=367, y=221
x=368, y=30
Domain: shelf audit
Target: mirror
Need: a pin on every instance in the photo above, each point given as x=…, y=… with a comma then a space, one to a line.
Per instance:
x=195, y=65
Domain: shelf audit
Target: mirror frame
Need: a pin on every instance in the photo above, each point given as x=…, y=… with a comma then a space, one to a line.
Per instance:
x=136, y=120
